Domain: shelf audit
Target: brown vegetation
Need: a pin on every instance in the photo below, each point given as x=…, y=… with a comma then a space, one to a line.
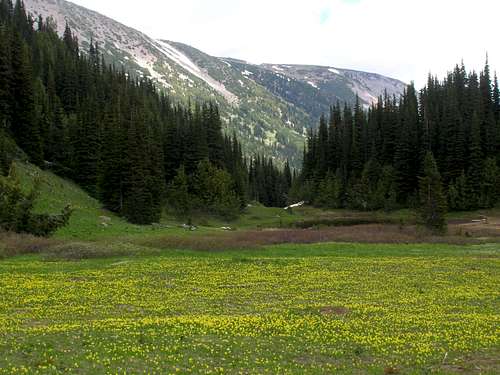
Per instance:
x=369, y=233
x=12, y=244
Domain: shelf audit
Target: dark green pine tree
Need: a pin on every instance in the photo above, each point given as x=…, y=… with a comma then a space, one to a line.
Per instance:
x=458, y=194
x=334, y=138
x=111, y=176
x=287, y=173
x=403, y=161
x=199, y=136
x=24, y=124
x=4, y=157
x=21, y=21
x=214, y=134
x=5, y=76
x=489, y=131
x=179, y=198
x=70, y=41
x=496, y=100
x=138, y=200
x=347, y=132
x=172, y=150
x=87, y=148
x=156, y=174
x=433, y=207
x=476, y=164
x=490, y=184
x=356, y=155
x=496, y=103
x=6, y=9
x=453, y=142
x=322, y=149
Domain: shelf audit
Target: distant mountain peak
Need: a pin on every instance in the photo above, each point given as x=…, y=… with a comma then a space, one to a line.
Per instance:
x=269, y=106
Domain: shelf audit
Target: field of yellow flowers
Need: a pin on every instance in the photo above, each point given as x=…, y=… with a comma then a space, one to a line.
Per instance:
x=329, y=308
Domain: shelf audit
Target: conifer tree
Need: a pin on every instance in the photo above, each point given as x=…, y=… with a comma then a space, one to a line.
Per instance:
x=403, y=165
x=111, y=132
x=111, y=177
x=4, y=157
x=24, y=125
x=137, y=200
x=87, y=148
x=5, y=75
x=179, y=198
x=476, y=164
x=356, y=155
x=457, y=194
x=329, y=192
x=322, y=149
x=385, y=195
x=455, y=119
x=433, y=207
x=214, y=135
x=490, y=184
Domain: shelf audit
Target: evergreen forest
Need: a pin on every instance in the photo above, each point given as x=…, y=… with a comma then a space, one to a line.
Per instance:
x=373, y=159
x=140, y=152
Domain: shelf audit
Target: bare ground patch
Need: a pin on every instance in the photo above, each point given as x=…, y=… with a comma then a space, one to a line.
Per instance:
x=334, y=311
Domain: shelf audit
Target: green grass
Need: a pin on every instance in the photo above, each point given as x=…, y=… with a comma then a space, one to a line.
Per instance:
x=330, y=308
x=145, y=306
x=87, y=221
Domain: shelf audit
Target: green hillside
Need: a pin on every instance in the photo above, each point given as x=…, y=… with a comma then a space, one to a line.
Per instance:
x=90, y=221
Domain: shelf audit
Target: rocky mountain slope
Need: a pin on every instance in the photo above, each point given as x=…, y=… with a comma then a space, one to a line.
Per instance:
x=270, y=107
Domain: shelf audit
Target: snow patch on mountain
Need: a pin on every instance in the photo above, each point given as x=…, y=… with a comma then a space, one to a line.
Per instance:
x=334, y=71
x=185, y=62
x=313, y=84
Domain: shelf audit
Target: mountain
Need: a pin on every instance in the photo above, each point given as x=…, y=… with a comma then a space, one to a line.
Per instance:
x=270, y=107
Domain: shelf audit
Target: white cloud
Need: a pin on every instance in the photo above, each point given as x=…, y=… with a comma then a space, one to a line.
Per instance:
x=401, y=38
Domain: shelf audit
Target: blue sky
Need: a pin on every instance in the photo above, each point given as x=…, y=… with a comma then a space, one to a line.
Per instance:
x=325, y=15
x=404, y=39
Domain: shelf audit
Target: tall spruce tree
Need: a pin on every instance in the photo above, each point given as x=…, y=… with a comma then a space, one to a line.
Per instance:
x=24, y=122
x=455, y=119
x=433, y=207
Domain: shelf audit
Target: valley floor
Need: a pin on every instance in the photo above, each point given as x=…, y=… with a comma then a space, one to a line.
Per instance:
x=303, y=292
x=330, y=308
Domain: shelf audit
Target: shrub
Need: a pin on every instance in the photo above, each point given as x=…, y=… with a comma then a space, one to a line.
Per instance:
x=16, y=209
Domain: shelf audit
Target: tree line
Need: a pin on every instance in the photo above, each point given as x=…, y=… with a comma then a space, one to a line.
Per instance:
x=137, y=151
x=115, y=134
x=374, y=159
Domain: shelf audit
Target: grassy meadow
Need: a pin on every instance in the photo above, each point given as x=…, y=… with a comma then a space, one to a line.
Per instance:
x=380, y=297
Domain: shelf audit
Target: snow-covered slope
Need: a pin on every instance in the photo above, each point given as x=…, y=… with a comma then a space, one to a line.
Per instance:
x=268, y=106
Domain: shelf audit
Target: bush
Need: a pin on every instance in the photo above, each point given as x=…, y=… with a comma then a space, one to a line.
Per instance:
x=209, y=190
x=16, y=209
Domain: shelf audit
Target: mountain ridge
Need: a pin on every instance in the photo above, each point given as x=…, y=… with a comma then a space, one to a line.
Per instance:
x=269, y=106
